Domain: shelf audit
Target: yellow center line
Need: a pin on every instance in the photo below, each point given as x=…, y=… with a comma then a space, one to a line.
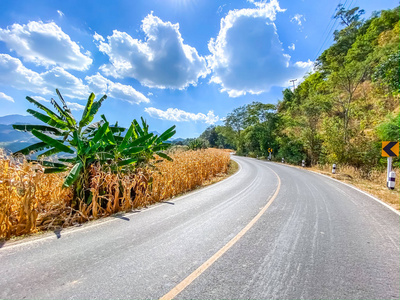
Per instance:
x=188, y=280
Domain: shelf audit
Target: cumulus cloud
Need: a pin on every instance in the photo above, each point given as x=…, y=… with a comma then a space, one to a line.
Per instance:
x=14, y=73
x=101, y=85
x=292, y=47
x=178, y=115
x=6, y=97
x=297, y=19
x=45, y=44
x=75, y=106
x=162, y=60
x=247, y=55
x=40, y=98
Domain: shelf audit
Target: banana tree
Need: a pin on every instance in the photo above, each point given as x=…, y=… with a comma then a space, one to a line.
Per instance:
x=90, y=143
x=63, y=134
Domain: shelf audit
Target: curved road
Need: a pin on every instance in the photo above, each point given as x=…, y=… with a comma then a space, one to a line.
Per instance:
x=268, y=232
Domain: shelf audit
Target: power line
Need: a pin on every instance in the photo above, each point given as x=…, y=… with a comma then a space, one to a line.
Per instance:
x=333, y=27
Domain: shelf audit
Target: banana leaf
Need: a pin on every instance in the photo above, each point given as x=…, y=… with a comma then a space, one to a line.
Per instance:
x=41, y=128
x=49, y=121
x=141, y=140
x=133, y=150
x=49, y=112
x=50, y=152
x=126, y=138
x=93, y=127
x=33, y=148
x=100, y=132
x=138, y=129
x=166, y=135
x=68, y=117
x=127, y=162
x=55, y=170
x=49, y=163
x=86, y=111
x=73, y=175
x=52, y=142
x=163, y=155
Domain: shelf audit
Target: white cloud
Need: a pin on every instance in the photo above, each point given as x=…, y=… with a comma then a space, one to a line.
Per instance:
x=60, y=13
x=297, y=19
x=98, y=37
x=14, y=73
x=75, y=106
x=178, y=115
x=6, y=97
x=39, y=98
x=45, y=44
x=68, y=84
x=101, y=85
x=247, y=55
x=292, y=47
x=162, y=60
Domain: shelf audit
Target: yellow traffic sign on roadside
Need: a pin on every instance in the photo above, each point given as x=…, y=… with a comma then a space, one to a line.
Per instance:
x=269, y=150
x=390, y=149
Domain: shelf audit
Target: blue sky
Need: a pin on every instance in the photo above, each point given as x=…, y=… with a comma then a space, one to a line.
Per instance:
x=182, y=62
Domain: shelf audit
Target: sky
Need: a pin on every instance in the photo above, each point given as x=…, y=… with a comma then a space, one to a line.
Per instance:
x=173, y=62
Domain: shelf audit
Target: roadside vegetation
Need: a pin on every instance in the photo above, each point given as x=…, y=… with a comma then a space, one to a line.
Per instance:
x=85, y=170
x=340, y=113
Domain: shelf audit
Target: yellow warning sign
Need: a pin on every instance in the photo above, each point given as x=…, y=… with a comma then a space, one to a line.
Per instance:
x=390, y=149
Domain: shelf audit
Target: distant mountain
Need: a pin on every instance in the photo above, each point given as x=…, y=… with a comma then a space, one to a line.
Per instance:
x=177, y=140
x=19, y=119
x=14, y=140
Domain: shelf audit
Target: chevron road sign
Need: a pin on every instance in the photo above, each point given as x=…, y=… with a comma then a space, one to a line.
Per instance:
x=390, y=149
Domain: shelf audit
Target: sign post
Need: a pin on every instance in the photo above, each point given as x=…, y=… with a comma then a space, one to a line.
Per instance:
x=269, y=153
x=390, y=150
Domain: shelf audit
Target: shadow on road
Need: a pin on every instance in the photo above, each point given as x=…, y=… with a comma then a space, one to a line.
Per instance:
x=57, y=232
x=121, y=217
x=172, y=203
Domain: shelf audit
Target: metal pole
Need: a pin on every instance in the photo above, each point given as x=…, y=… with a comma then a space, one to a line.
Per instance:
x=389, y=169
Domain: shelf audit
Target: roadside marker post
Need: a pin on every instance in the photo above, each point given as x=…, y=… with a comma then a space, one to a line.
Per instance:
x=390, y=150
x=303, y=163
x=391, y=180
x=334, y=169
x=283, y=160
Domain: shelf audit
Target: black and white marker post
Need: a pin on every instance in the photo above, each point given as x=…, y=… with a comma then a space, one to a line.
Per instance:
x=334, y=169
x=391, y=175
x=390, y=150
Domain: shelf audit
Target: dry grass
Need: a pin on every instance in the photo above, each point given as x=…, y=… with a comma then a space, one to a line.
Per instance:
x=373, y=182
x=29, y=198
x=31, y=201
x=189, y=170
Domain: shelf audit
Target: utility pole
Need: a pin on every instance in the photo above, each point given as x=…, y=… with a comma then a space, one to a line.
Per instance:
x=293, y=80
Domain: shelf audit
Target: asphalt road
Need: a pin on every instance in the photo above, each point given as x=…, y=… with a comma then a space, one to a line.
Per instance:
x=317, y=239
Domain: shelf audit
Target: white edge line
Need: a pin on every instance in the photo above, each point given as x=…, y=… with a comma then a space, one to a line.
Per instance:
x=349, y=185
x=108, y=219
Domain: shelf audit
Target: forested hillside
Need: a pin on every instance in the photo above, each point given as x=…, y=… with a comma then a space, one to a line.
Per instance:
x=340, y=112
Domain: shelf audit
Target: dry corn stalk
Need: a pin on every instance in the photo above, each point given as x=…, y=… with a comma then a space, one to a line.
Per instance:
x=31, y=200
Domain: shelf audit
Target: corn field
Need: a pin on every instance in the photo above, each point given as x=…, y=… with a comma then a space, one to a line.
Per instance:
x=32, y=201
